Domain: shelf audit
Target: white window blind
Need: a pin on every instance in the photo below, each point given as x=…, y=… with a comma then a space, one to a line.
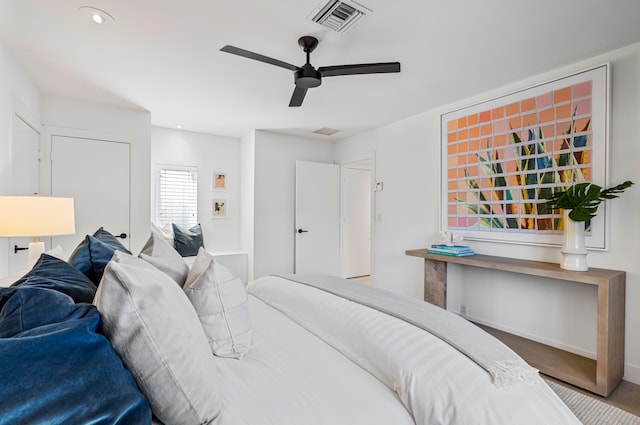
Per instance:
x=178, y=196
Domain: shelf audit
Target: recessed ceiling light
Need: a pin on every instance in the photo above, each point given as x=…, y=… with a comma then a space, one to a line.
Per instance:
x=179, y=126
x=97, y=16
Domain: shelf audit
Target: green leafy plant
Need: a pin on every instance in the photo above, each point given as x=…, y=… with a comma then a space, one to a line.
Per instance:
x=583, y=199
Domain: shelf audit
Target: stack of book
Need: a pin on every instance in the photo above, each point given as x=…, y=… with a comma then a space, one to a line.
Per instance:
x=452, y=250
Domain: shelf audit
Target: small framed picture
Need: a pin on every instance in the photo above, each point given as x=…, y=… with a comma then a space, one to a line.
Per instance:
x=220, y=180
x=219, y=208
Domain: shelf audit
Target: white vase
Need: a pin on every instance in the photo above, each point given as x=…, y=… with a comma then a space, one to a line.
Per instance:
x=574, y=252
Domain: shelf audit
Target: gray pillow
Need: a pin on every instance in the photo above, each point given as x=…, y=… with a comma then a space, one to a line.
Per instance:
x=187, y=241
x=155, y=331
x=220, y=300
x=164, y=257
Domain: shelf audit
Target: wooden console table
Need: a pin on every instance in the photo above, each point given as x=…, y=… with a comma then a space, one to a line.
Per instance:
x=599, y=376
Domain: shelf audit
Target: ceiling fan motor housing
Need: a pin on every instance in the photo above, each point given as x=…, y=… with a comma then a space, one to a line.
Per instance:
x=307, y=77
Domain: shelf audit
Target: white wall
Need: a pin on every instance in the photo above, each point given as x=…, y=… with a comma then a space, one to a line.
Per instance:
x=404, y=211
x=208, y=153
x=15, y=89
x=247, y=202
x=407, y=159
x=274, y=200
x=69, y=117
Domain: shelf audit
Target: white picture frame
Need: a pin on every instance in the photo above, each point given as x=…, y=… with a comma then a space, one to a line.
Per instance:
x=465, y=181
x=219, y=208
x=220, y=181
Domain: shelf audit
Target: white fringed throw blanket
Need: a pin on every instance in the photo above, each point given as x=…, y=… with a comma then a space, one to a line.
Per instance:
x=505, y=367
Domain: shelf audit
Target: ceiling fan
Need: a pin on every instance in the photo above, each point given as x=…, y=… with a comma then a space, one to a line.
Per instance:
x=306, y=76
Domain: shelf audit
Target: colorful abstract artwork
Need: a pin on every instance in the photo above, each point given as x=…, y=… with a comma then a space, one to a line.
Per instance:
x=503, y=158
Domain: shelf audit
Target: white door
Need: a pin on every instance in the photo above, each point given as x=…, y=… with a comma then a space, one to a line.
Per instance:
x=96, y=174
x=356, y=222
x=317, y=221
x=25, y=178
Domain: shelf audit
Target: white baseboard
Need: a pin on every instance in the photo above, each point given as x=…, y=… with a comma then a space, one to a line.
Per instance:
x=631, y=373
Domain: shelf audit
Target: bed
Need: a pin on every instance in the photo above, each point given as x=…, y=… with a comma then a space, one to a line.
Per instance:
x=109, y=337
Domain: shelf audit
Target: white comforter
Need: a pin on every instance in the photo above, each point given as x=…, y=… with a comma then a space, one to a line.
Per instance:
x=434, y=382
x=290, y=377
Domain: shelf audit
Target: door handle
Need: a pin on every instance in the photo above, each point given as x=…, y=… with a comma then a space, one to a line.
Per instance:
x=121, y=235
x=302, y=231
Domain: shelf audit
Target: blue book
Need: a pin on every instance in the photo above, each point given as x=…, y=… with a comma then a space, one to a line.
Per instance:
x=449, y=253
x=452, y=248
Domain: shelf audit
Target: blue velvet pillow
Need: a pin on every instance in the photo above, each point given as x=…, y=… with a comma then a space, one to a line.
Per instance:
x=106, y=237
x=54, y=273
x=91, y=257
x=64, y=372
x=187, y=241
x=42, y=305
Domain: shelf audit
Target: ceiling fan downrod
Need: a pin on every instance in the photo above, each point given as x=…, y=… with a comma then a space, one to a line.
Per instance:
x=307, y=76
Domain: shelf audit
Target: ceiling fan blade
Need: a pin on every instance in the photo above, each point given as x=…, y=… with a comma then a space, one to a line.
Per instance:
x=298, y=96
x=256, y=56
x=365, y=68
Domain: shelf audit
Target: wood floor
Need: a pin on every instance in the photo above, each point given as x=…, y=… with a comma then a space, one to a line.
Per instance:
x=361, y=279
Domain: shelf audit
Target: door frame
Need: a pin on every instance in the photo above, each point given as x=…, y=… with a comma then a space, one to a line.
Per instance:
x=121, y=180
x=45, y=151
x=22, y=112
x=46, y=169
x=18, y=109
x=350, y=163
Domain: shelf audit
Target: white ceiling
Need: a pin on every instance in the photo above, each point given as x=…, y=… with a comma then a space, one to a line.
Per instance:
x=163, y=55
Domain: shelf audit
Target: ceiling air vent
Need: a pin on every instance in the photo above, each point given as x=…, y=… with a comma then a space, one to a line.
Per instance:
x=340, y=16
x=326, y=131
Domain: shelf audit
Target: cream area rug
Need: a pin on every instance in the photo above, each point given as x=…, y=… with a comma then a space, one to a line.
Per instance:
x=591, y=411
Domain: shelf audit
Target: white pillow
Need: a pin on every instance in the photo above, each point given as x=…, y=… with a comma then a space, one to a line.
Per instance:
x=164, y=257
x=220, y=300
x=189, y=261
x=57, y=252
x=155, y=331
x=165, y=232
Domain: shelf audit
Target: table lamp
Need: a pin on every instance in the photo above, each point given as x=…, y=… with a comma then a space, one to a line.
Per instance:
x=36, y=216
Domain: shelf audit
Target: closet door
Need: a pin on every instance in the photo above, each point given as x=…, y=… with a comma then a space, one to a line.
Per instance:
x=317, y=218
x=96, y=173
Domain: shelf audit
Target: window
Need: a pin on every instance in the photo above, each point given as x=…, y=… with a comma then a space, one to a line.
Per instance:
x=177, y=196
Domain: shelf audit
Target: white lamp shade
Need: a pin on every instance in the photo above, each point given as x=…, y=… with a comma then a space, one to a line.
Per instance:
x=36, y=216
